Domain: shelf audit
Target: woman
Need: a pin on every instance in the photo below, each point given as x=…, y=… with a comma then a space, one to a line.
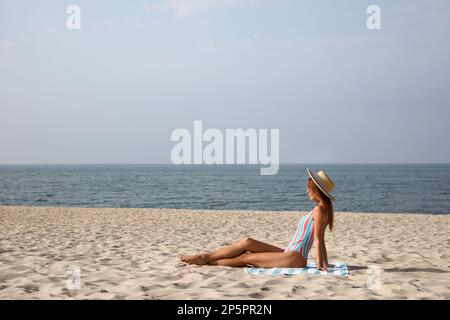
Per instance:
x=311, y=228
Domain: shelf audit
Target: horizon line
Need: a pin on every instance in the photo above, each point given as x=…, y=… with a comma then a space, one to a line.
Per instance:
x=226, y=164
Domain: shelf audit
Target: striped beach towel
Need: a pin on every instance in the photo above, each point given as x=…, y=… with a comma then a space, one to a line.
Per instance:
x=336, y=268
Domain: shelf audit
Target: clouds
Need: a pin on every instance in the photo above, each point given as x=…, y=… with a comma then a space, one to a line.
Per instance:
x=148, y=7
x=181, y=8
x=6, y=45
x=190, y=7
x=6, y=50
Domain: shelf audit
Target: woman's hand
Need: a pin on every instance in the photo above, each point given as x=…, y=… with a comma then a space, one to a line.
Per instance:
x=323, y=268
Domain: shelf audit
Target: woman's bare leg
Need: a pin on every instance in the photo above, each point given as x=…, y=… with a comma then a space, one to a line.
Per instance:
x=264, y=260
x=234, y=250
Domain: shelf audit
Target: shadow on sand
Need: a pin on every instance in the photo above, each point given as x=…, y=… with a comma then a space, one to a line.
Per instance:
x=396, y=269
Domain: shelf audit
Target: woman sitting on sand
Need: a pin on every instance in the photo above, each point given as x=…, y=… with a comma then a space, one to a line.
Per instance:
x=311, y=228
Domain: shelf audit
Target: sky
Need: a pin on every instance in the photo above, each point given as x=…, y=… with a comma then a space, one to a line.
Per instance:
x=115, y=90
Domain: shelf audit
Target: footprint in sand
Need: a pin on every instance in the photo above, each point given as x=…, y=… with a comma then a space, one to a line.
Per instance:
x=271, y=282
x=240, y=285
x=256, y=295
x=180, y=265
x=151, y=287
x=181, y=285
x=30, y=288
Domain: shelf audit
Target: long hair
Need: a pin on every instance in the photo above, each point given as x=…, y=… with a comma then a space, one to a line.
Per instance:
x=323, y=201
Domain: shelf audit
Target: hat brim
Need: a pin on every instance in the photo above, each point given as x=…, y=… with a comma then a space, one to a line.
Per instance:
x=316, y=180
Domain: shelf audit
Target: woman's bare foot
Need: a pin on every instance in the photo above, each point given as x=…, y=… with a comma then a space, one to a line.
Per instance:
x=199, y=259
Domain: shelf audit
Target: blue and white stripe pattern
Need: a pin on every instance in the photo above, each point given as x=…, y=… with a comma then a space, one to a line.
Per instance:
x=336, y=268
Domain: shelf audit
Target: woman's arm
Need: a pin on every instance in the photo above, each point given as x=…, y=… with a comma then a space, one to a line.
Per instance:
x=324, y=254
x=319, y=248
x=319, y=239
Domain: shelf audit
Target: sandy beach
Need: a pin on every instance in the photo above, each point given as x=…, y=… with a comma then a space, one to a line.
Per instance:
x=132, y=254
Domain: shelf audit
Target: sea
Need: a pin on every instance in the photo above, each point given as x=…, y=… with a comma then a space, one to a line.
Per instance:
x=395, y=188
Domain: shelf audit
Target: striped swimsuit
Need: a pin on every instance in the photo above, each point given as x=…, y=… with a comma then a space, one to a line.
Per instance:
x=304, y=236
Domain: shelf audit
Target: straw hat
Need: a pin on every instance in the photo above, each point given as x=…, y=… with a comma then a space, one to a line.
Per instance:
x=323, y=181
